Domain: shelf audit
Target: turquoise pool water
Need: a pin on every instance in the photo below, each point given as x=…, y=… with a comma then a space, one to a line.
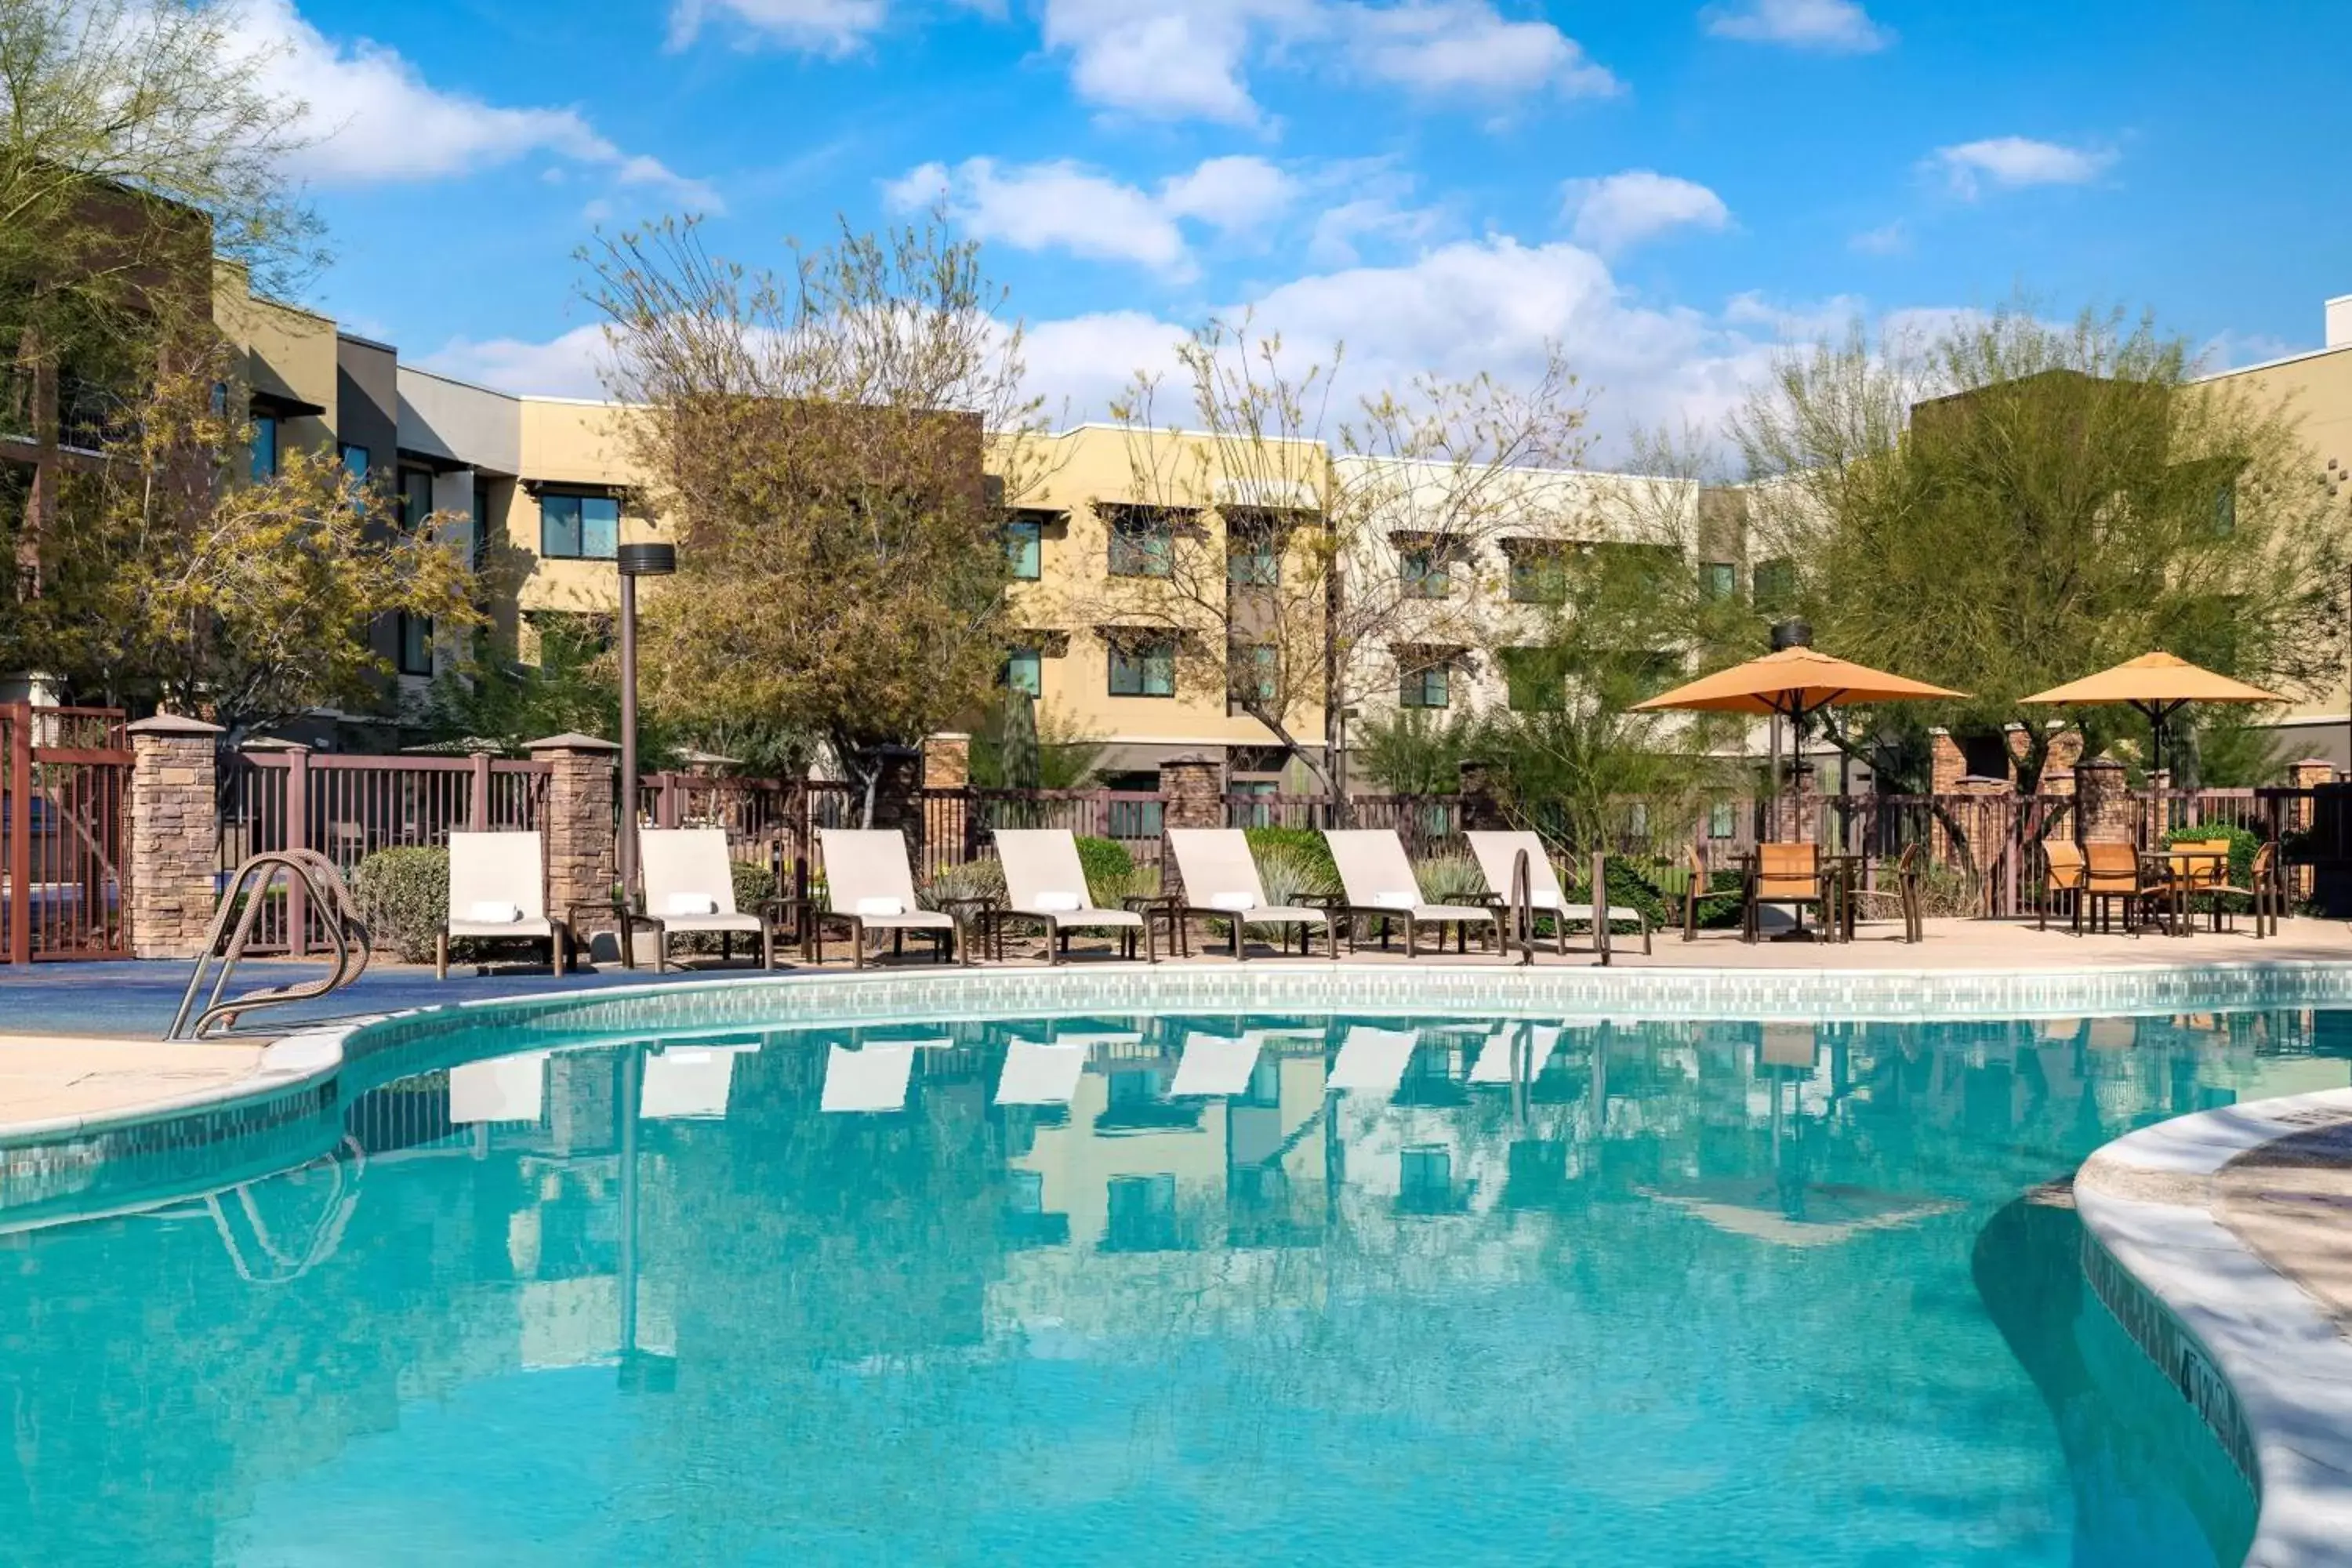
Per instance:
x=1144, y=1290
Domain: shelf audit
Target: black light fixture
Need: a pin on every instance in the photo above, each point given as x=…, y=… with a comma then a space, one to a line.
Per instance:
x=634, y=561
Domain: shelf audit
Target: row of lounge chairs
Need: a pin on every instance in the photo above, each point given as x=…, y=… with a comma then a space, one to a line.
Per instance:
x=496, y=890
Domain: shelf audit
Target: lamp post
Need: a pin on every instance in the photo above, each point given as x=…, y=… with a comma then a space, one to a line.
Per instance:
x=635, y=561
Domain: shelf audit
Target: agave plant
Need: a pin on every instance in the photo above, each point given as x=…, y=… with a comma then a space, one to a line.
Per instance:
x=966, y=880
x=1133, y=882
x=1452, y=879
x=1290, y=876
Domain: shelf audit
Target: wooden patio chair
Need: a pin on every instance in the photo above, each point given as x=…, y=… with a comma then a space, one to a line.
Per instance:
x=1904, y=895
x=2185, y=880
x=1784, y=874
x=2112, y=875
x=2062, y=872
x=2265, y=886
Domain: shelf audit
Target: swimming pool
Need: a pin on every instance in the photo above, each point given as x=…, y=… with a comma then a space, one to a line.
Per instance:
x=1350, y=1287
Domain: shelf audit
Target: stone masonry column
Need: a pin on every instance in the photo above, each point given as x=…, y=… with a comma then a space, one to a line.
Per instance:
x=2102, y=807
x=579, y=827
x=947, y=770
x=168, y=879
x=2309, y=773
x=1194, y=788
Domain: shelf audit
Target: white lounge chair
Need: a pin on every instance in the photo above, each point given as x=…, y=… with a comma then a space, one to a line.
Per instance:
x=870, y=886
x=1378, y=880
x=1044, y=881
x=497, y=891
x=690, y=887
x=1220, y=880
x=687, y=1079
x=1497, y=855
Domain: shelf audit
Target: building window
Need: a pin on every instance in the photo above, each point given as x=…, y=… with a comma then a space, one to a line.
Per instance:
x=1425, y=1179
x=481, y=549
x=415, y=498
x=2225, y=509
x=1776, y=586
x=1535, y=679
x=416, y=644
x=1719, y=579
x=355, y=461
x=1024, y=548
x=1257, y=809
x=1253, y=558
x=1142, y=542
x=1538, y=574
x=1024, y=671
x=1143, y=669
x=1142, y=1214
x=264, y=447
x=1722, y=820
x=1252, y=672
x=579, y=528
x=1423, y=570
x=1430, y=686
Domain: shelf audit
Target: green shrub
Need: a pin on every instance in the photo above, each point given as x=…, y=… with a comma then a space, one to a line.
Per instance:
x=1288, y=875
x=1451, y=880
x=1309, y=848
x=964, y=880
x=404, y=896
x=1656, y=888
x=1108, y=866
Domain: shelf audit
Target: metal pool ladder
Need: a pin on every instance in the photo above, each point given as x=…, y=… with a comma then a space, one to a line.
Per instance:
x=242, y=902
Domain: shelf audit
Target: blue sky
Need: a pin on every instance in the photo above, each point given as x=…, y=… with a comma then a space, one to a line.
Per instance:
x=1667, y=187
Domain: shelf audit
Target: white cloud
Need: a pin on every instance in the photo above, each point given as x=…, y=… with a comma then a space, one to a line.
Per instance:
x=564, y=366
x=2011, y=162
x=1623, y=210
x=833, y=27
x=371, y=116
x=1467, y=47
x=1065, y=205
x=1189, y=59
x=1886, y=239
x=1840, y=26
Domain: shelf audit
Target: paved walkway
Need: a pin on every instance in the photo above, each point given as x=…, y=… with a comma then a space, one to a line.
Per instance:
x=2290, y=1203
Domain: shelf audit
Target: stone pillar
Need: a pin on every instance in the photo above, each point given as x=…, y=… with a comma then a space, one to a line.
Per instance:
x=2310, y=773
x=580, y=825
x=173, y=857
x=1480, y=812
x=1194, y=787
x=947, y=776
x=2066, y=751
x=2330, y=848
x=2103, y=810
x=1795, y=814
x=898, y=793
x=1947, y=765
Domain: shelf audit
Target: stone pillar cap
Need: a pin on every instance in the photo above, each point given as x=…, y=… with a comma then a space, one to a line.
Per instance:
x=572, y=741
x=1188, y=757
x=174, y=724
x=949, y=735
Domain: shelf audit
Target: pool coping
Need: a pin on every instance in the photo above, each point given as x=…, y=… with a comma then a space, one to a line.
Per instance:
x=306, y=1058
x=2248, y=1349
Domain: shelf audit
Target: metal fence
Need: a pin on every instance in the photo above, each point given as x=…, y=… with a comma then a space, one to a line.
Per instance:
x=64, y=798
x=348, y=807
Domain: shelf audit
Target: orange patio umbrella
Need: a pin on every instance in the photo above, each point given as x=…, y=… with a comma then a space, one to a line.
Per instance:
x=1790, y=684
x=2158, y=684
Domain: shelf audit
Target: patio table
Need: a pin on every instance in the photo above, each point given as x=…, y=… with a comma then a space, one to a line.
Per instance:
x=2179, y=882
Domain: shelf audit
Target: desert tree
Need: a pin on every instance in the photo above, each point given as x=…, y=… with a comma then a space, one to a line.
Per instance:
x=817, y=438
x=1303, y=545
x=139, y=141
x=246, y=599
x=2005, y=503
